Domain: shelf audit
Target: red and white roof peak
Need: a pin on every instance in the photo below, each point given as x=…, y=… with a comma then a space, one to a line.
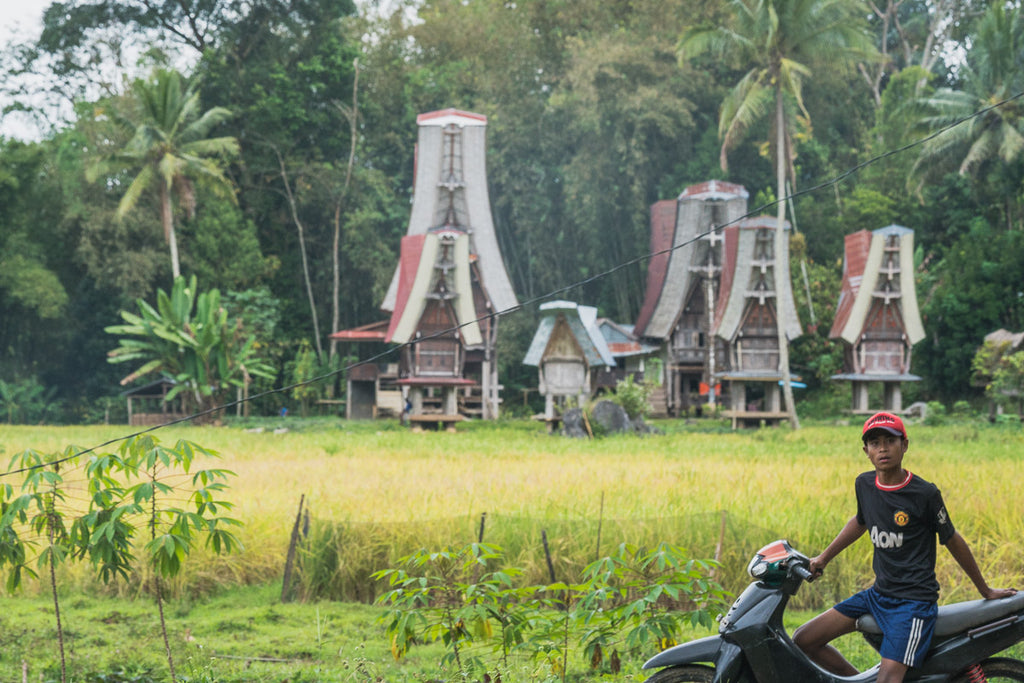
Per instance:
x=444, y=117
x=715, y=189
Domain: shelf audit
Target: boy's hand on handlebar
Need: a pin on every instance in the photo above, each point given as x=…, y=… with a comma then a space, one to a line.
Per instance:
x=816, y=567
x=996, y=593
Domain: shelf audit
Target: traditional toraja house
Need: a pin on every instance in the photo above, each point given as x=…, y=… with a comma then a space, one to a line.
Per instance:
x=683, y=288
x=746, y=320
x=568, y=350
x=451, y=280
x=877, y=317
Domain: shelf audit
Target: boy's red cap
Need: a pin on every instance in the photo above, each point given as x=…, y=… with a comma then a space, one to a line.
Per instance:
x=887, y=421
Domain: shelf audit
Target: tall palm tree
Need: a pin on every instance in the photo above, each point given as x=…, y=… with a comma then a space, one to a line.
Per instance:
x=993, y=72
x=170, y=149
x=779, y=42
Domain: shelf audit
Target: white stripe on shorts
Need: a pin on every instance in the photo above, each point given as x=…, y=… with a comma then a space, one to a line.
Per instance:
x=916, y=626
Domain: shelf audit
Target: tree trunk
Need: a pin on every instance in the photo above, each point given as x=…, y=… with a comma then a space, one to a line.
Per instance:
x=159, y=590
x=781, y=266
x=353, y=119
x=53, y=591
x=305, y=259
x=336, y=289
x=167, y=218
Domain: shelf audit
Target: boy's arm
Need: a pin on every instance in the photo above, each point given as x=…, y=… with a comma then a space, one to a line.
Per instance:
x=850, y=533
x=961, y=552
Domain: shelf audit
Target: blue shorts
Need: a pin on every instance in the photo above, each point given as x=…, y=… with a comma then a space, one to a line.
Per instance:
x=907, y=625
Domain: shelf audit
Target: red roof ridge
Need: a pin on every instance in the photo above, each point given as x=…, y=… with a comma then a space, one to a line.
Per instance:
x=451, y=111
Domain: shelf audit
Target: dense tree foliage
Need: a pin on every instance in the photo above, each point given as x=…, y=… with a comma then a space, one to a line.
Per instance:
x=592, y=117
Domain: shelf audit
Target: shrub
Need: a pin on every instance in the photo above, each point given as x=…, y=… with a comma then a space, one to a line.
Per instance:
x=963, y=409
x=633, y=397
x=936, y=414
x=629, y=600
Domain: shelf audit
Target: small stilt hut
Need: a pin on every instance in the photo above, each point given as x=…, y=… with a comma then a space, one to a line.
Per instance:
x=877, y=317
x=568, y=350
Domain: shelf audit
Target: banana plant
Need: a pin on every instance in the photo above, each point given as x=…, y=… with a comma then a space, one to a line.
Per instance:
x=189, y=338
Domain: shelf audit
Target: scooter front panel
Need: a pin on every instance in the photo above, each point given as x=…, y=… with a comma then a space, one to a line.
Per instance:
x=731, y=665
x=701, y=651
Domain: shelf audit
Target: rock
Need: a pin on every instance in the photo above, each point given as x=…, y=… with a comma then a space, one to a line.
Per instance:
x=611, y=418
x=642, y=428
x=572, y=424
x=919, y=409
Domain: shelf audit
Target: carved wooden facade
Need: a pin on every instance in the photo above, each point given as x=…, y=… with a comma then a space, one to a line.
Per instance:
x=746, y=319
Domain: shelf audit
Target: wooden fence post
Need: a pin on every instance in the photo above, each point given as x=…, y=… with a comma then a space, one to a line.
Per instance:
x=290, y=559
x=547, y=554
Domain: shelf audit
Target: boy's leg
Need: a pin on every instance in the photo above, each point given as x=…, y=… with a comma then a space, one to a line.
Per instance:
x=907, y=626
x=891, y=671
x=814, y=638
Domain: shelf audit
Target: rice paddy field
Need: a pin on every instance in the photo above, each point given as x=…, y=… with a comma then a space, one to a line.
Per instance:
x=375, y=492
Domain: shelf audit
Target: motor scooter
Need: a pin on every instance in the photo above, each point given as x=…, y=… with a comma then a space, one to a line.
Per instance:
x=752, y=645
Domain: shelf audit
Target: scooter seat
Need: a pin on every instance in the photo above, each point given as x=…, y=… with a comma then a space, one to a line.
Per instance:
x=960, y=616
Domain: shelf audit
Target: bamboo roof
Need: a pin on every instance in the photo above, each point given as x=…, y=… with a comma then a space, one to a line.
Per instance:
x=582, y=322
x=869, y=274
x=450, y=192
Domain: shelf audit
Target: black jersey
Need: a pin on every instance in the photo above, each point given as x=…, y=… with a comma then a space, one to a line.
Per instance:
x=903, y=522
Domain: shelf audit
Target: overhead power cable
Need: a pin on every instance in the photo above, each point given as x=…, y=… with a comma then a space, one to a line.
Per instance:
x=537, y=299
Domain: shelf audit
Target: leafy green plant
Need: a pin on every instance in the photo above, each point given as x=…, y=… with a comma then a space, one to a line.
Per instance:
x=189, y=338
x=170, y=146
x=935, y=414
x=126, y=674
x=105, y=532
x=447, y=595
x=40, y=506
x=304, y=368
x=174, y=529
x=645, y=596
x=631, y=600
x=1001, y=371
x=13, y=545
x=25, y=401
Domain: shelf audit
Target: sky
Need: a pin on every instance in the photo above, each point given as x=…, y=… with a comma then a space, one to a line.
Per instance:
x=19, y=16
x=19, y=19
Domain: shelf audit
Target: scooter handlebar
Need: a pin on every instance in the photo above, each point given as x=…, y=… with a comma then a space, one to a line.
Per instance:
x=803, y=572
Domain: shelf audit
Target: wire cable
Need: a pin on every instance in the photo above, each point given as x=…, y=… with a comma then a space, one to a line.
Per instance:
x=535, y=300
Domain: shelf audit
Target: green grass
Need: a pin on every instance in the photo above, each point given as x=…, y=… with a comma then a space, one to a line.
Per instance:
x=244, y=635
x=376, y=491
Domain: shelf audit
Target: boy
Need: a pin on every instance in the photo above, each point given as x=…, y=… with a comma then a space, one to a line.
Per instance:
x=904, y=514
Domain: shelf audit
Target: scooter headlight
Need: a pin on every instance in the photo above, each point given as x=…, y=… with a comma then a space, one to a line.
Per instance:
x=769, y=564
